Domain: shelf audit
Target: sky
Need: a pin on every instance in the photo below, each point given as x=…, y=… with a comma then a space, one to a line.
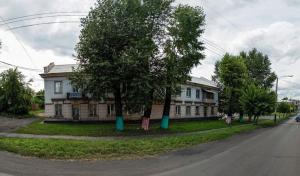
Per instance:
x=271, y=26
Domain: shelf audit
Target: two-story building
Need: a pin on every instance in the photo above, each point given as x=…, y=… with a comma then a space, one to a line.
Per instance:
x=198, y=98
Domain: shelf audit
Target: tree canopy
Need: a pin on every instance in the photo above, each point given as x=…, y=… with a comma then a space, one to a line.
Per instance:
x=257, y=101
x=259, y=68
x=15, y=93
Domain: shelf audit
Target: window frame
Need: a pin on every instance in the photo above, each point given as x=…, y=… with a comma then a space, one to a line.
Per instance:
x=178, y=110
x=61, y=87
x=93, y=110
x=198, y=93
x=58, y=110
x=186, y=111
x=110, y=109
x=212, y=110
x=188, y=92
x=197, y=110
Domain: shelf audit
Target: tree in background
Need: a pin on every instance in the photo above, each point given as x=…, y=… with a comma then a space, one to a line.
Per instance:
x=39, y=99
x=221, y=97
x=15, y=93
x=182, y=50
x=284, y=107
x=232, y=74
x=257, y=101
x=259, y=68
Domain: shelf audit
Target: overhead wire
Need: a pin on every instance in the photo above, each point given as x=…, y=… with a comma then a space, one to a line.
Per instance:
x=20, y=43
x=39, y=17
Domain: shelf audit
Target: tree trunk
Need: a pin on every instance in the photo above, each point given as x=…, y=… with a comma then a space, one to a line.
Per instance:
x=147, y=112
x=250, y=118
x=241, y=119
x=167, y=107
x=255, y=120
x=230, y=113
x=118, y=108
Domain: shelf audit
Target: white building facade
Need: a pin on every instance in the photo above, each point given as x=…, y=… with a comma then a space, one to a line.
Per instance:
x=198, y=99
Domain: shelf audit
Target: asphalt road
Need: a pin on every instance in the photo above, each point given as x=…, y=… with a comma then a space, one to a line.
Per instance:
x=265, y=152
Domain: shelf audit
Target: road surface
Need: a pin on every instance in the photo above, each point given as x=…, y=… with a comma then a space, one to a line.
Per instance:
x=265, y=152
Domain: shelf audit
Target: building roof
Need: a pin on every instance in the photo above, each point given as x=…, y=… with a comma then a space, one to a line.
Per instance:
x=62, y=68
x=53, y=69
x=203, y=81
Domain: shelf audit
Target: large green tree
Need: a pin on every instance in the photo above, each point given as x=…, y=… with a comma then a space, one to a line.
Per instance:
x=259, y=68
x=147, y=84
x=257, y=101
x=232, y=73
x=115, y=46
x=15, y=93
x=183, y=50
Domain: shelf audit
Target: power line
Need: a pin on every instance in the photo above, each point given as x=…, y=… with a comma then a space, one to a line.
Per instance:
x=39, y=14
x=215, y=48
x=214, y=45
x=24, y=68
x=39, y=17
x=38, y=24
x=215, y=52
x=22, y=45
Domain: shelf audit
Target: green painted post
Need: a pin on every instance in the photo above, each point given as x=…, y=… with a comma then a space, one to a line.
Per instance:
x=241, y=119
x=119, y=123
x=165, y=122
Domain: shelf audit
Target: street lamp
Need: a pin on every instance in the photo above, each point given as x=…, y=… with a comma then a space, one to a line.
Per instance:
x=285, y=76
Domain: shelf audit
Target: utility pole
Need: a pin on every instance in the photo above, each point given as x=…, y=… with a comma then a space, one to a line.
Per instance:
x=276, y=91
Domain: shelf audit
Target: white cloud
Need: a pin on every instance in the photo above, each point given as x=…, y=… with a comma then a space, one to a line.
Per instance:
x=272, y=26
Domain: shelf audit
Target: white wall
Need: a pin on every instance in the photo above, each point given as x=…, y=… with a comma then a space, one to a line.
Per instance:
x=183, y=97
x=49, y=88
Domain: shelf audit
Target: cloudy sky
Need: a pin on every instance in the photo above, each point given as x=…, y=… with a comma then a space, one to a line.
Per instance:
x=272, y=26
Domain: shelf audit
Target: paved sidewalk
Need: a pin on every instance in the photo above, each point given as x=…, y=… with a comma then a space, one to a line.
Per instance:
x=18, y=135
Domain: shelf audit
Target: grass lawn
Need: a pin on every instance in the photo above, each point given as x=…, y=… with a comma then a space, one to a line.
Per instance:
x=109, y=129
x=117, y=149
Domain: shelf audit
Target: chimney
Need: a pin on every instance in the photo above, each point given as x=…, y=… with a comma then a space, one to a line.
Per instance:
x=49, y=67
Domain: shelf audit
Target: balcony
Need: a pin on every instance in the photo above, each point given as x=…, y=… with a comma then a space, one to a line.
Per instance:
x=207, y=100
x=74, y=95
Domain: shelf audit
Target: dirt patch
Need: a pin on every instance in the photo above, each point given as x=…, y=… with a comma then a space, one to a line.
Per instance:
x=10, y=124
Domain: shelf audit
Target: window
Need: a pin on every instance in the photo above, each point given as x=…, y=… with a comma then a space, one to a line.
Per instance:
x=75, y=111
x=110, y=109
x=75, y=90
x=212, y=111
x=188, y=111
x=58, y=110
x=188, y=92
x=58, y=87
x=205, y=111
x=197, y=110
x=93, y=110
x=178, y=110
x=198, y=94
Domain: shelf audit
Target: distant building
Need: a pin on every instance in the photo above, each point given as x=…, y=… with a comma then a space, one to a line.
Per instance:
x=294, y=102
x=198, y=98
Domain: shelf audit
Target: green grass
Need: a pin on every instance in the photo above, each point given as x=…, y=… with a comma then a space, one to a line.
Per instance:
x=76, y=129
x=115, y=149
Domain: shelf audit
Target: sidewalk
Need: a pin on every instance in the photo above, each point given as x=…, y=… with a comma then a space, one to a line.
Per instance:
x=17, y=135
